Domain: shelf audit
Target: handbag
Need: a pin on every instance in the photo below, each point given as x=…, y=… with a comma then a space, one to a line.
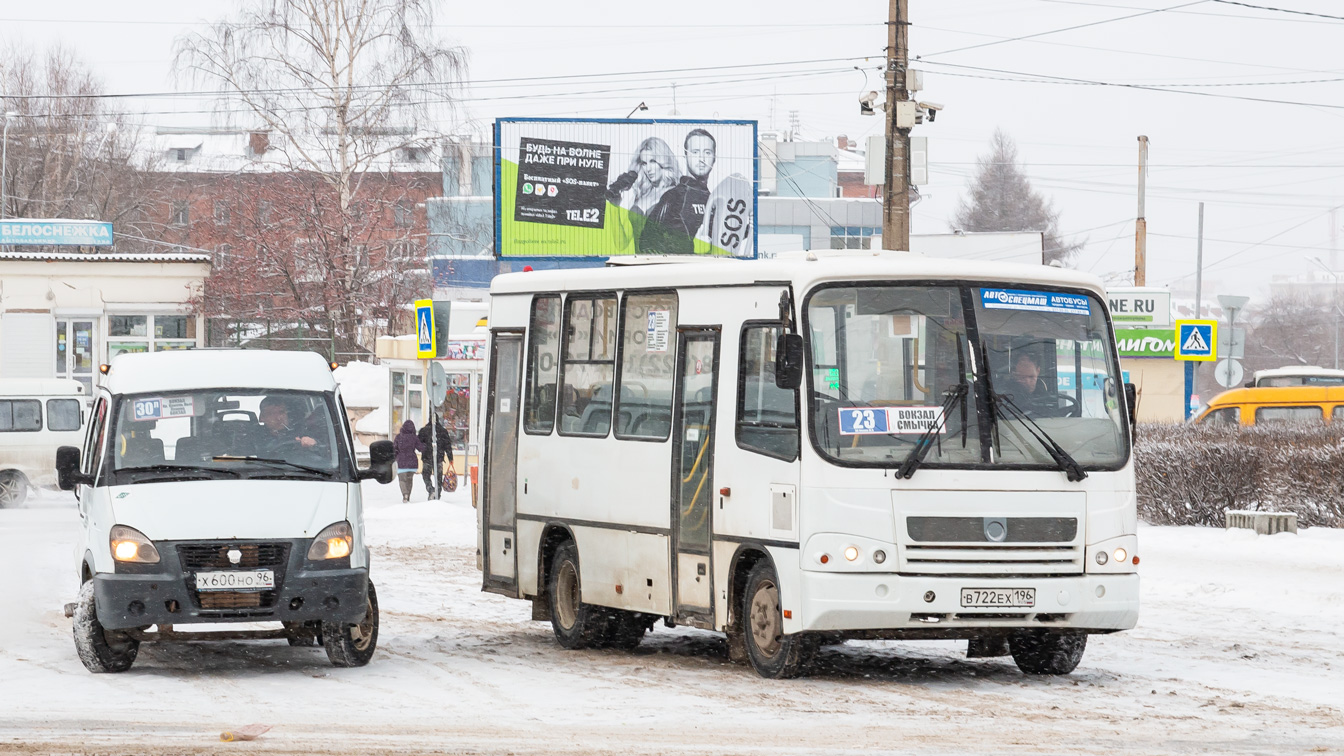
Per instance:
x=450, y=480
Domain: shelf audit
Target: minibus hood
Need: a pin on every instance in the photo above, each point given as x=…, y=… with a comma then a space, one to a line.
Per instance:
x=221, y=509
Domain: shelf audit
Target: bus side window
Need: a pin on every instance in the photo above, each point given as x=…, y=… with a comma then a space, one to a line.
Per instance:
x=543, y=366
x=767, y=415
x=648, y=341
x=1224, y=416
x=588, y=366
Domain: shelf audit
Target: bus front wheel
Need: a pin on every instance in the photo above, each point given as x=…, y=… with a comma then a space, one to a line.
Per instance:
x=772, y=653
x=576, y=624
x=1046, y=652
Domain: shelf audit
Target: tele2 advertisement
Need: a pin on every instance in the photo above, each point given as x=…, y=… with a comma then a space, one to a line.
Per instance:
x=604, y=188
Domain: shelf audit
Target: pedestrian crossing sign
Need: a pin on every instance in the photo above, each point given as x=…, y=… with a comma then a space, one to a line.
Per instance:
x=426, y=344
x=1197, y=340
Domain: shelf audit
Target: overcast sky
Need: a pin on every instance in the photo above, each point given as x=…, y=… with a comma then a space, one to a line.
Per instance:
x=1269, y=172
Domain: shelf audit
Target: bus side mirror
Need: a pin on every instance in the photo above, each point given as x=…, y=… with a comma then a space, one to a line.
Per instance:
x=67, y=469
x=1131, y=402
x=381, y=456
x=789, y=361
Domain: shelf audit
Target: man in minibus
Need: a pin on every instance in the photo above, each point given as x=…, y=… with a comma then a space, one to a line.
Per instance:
x=274, y=417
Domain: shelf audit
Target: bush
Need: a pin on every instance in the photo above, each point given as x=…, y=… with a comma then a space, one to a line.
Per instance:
x=1192, y=474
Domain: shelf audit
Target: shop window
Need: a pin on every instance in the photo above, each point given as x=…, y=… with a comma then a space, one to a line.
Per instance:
x=589, y=360
x=128, y=325
x=648, y=345
x=767, y=415
x=543, y=366
x=63, y=414
x=853, y=237
x=20, y=415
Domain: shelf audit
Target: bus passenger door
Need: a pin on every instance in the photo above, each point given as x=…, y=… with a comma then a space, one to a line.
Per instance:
x=693, y=473
x=501, y=474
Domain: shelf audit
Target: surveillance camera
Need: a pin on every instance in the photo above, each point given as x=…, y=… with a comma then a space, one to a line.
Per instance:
x=868, y=99
x=931, y=106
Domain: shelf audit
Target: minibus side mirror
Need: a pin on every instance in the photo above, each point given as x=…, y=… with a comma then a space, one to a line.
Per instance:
x=789, y=361
x=1131, y=403
x=67, y=469
x=381, y=457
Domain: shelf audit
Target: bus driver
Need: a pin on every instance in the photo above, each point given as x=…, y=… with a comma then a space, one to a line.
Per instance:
x=274, y=416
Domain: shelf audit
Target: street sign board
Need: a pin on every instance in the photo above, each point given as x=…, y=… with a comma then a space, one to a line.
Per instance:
x=1232, y=343
x=1139, y=305
x=1228, y=373
x=74, y=233
x=438, y=383
x=1197, y=340
x=426, y=345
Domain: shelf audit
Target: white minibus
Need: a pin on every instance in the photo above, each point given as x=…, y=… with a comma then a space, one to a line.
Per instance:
x=36, y=416
x=220, y=486
x=805, y=451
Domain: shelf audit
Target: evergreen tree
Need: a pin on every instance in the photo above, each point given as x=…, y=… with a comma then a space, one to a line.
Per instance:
x=1000, y=198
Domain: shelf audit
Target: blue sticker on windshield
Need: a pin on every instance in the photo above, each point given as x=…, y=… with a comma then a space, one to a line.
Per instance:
x=1035, y=301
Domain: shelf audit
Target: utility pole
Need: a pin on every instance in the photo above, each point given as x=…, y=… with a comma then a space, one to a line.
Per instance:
x=1199, y=295
x=896, y=189
x=1141, y=225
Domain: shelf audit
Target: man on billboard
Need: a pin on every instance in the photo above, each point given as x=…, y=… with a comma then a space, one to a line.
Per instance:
x=675, y=220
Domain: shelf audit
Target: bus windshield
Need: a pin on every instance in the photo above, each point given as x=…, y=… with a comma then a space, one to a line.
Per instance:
x=225, y=433
x=998, y=372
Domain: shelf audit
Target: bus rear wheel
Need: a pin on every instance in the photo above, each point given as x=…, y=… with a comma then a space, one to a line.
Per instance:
x=576, y=624
x=1047, y=652
x=13, y=489
x=772, y=653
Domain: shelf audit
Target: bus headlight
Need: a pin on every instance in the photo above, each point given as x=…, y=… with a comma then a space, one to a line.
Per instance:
x=334, y=542
x=1120, y=555
x=1102, y=557
x=130, y=545
x=851, y=553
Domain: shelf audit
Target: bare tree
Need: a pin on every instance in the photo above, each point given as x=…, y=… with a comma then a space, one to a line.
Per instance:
x=68, y=154
x=1000, y=198
x=343, y=89
x=1291, y=329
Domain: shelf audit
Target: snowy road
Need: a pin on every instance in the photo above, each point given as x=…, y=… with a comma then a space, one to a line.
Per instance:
x=1238, y=650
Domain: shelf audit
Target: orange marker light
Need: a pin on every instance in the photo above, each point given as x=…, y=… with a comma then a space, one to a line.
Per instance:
x=1136, y=559
x=824, y=558
x=788, y=614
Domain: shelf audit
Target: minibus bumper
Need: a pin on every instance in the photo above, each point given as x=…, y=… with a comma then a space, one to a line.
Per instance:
x=165, y=594
x=930, y=606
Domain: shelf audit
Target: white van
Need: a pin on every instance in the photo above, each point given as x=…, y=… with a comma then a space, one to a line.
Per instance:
x=36, y=416
x=220, y=486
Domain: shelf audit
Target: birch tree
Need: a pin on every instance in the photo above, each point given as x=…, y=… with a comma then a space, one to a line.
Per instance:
x=343, y=89
x=1000, y=198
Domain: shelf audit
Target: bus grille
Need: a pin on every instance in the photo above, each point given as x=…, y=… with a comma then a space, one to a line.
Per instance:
x=959, y=546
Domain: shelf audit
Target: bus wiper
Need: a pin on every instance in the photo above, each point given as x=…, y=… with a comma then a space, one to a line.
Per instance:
x=165, y=468
x=284, y=462
x=954, y=395
x=1066, y=462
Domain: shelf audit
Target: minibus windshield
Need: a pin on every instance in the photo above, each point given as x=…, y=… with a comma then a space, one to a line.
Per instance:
x=888, y=362
x=224, y=433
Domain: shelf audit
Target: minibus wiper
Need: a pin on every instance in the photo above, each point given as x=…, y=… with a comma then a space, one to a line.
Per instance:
x=1066, y=462
x=285, y=462
x=163, y=468
x=954, y=395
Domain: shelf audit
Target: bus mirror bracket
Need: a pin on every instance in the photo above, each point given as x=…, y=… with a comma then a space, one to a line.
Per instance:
x=1131, y=403
x=789, y=361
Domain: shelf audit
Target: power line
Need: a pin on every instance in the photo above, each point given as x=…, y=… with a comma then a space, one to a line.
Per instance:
x=1067, y=80
x=1179, y=12
x=1280, y=10
x=1066, y=28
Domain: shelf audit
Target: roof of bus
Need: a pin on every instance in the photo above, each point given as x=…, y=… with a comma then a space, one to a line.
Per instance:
x=1278, y=395
x=183, y=370
x=40, y=387
x=801, y=272
x=1297, y=370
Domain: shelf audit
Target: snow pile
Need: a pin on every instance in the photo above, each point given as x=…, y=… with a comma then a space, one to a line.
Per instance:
x=1190, y=475
x=374, y=422
x=363, y=384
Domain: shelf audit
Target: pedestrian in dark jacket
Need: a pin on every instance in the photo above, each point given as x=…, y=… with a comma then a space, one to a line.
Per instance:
x=406, y=445
x=431, y=469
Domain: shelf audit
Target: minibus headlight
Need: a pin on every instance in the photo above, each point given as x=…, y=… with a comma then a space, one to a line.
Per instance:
x=1101, y=557
x=130, y=545
x=851, y=553
x=1120, y=555
x=334, y=542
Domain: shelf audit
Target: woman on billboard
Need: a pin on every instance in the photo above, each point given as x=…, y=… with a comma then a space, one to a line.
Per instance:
x=653, y=170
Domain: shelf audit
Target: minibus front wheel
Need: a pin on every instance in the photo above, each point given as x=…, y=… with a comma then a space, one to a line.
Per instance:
x=352, y=645
x=1047, y=652
x=100, y=650
x=772, y=653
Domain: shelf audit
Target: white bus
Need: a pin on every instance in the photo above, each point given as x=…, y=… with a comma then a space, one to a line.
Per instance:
x=798, y=452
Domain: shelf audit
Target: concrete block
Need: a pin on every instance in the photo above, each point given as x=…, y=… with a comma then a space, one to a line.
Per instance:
x=1264, y=523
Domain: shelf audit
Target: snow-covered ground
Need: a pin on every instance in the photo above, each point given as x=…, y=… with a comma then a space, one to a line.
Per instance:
x=1238, y=650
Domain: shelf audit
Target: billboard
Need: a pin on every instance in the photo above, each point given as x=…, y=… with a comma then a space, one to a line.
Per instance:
x=606, y=188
